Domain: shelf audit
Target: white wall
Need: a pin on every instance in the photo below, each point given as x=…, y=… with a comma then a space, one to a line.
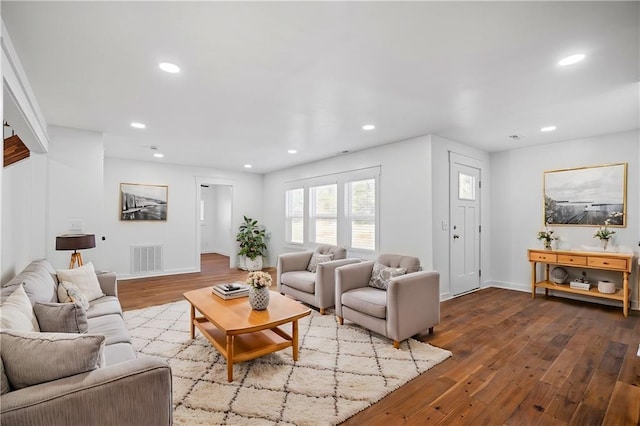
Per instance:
x=516, y=201
x=179, y=235
x=440, y=150
x=207, y=236
x=405, y=196
x=223, y=231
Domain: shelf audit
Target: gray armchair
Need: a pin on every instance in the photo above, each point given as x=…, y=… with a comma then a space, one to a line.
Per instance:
x=410, y=305
x=314, y=288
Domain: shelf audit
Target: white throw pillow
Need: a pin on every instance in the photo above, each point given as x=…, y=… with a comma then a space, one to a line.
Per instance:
x=84, y=278
x=382, y=275
x=16, y=312
x=317, y=258
x=70, y=293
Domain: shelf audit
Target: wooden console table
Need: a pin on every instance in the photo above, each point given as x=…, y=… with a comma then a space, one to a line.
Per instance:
x=583, y=259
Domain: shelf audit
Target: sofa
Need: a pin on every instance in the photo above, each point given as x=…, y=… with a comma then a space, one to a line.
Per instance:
x=118, y=389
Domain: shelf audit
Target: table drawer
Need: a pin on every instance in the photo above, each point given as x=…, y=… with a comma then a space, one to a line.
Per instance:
x=572, y=260
x=542, y=257
x=607, y=263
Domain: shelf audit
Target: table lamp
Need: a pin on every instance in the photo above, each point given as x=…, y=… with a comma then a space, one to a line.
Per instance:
x=75, y=242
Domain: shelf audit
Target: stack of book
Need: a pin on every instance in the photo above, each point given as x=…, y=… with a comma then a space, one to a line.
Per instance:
x=231, y=291
x=581, y=285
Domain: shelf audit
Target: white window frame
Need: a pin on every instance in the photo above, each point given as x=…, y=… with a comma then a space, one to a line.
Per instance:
x=288, y=218
x=350, y=217
x=312, y=238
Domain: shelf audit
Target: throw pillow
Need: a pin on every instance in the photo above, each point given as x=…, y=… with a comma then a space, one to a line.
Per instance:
x=318, y=258
x=33, y=358
x=70, y=293
x=16, y=312
x=4, y=381
x=382, y=275
x=61, y=317
x=85, y=279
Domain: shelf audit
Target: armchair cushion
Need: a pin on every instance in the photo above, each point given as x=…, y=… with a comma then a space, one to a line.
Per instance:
x=410, y=263
x=381, y=275
x=300, y=280
x=318, y=258
x=367, y=300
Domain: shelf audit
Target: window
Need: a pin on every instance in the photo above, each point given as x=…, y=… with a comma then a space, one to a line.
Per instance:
x=294, y=213
x=361, y=208
x=324, y=214
x=466, y=187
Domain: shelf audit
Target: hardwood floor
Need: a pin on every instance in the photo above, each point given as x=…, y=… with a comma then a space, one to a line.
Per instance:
x=516, y=360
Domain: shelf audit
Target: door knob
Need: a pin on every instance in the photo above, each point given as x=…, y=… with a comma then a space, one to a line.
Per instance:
x=456, y=236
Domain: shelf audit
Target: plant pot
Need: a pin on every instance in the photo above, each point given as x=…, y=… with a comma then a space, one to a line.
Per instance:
x=259, y=298
x=254, y=264
x=547, y=245
x=604, y=243
x=242, y=262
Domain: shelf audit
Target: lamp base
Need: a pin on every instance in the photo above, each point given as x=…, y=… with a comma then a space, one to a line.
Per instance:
x=75, y=258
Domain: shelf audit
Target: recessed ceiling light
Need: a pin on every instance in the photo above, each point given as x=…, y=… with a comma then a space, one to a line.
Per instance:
x=138, y=125
x=570, y=60
x=548, y=129
x=368, y=127
x=158, y=155
x=169, y=67
x=248, y=166
x=292, y=151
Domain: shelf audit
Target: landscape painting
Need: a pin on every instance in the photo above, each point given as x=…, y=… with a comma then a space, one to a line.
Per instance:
x=143, y=202
x=586, y=196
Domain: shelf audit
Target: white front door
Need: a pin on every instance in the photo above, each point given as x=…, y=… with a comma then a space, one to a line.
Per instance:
x=464, y=230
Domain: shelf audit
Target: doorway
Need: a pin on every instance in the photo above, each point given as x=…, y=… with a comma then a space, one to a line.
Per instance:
x=465, y=229
x=214, y=210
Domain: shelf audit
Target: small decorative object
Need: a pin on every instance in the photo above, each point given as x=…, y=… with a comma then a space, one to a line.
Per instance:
x=259, y=283
x=251, y=237
x=604, y=233
x=547, y=237
x=559, y=275
x=606, y=287
x=581, y=283
x=143, y=202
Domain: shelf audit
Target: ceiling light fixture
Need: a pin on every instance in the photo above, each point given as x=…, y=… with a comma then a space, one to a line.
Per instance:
x=368, y=127
x=548, y=129
x=138, y=125
x=570, y=60
x=169, y=67
x=248, y=166
x=158, y=155
x=292, y=151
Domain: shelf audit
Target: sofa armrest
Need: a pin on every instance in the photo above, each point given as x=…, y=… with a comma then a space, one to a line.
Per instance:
x=136, y=392
x=292, y=262
x=326, y=281
x=350, y=277
x=108, y=283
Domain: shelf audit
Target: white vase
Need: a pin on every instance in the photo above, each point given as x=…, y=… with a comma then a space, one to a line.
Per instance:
x=604, y=243
x=259, y=298
x=254, y=264
x=242, y=262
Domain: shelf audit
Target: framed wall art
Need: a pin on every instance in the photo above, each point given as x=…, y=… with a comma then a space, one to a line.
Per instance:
x=139, y=202
x=586, y=196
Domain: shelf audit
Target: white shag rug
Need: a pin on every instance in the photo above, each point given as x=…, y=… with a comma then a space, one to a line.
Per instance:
x=341, y=370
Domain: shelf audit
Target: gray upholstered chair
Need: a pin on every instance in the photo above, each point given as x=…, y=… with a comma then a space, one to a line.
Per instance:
x=314, y=288
x=409, y=305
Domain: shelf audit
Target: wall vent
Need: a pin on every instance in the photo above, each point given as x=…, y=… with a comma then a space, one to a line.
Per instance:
x=146, y=258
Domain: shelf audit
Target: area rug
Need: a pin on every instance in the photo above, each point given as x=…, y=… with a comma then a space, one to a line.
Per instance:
x=340, y=371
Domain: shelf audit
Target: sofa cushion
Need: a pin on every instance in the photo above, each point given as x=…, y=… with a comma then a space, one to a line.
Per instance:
x=32, y=358
x=300, y=280
x=39, y=281
x=104, y=306
x=368, y=300
x=4, y=381
x=16, y=312
x=69, y=292
x=84, y=278
x=318, y=258
x=382, y=275
x=118, y=352
x=112, y=327
x=61, y=317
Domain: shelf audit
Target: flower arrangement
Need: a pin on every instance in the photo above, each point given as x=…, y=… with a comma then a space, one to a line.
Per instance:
x=604, y=233
x=547, y=236
x=259, y=279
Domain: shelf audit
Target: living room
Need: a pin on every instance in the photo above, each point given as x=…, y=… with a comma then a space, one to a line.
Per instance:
x=71, y=175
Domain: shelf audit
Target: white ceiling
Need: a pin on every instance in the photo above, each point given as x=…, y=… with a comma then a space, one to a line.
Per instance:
x=261, y=78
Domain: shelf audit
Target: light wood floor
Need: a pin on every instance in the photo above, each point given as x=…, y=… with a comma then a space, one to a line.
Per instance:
x=516, y=361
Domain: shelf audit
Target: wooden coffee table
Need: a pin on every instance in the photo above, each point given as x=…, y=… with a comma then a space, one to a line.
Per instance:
x=238, y=332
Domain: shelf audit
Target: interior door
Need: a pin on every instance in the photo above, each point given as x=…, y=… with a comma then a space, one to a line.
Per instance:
x=464, y=231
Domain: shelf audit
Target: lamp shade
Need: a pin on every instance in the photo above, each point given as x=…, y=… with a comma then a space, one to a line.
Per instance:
x=75, y=241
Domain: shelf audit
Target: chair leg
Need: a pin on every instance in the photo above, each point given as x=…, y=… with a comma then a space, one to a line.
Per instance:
x=340, y=320
x=430, y=330
x=396, y=344
x=322, y=310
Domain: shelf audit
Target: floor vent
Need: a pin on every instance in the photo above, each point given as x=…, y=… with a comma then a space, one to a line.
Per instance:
x=146, y=259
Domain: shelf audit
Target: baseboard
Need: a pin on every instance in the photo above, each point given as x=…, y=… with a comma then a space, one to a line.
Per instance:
x=124, y=277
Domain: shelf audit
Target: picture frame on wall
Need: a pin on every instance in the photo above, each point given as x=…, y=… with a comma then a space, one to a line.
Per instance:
x=586, y=196
x=141, y=202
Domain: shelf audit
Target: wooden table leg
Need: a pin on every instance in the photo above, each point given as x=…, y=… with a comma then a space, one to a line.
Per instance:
x=533, y=280
x=230, y=357
x=192, y=324
x=625, y=293
x=294, y=340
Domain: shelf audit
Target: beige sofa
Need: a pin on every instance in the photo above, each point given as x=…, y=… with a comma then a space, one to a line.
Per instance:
x=126, y=390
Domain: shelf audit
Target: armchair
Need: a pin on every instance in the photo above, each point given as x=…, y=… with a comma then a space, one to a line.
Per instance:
x=314, y=288
x=409, y=305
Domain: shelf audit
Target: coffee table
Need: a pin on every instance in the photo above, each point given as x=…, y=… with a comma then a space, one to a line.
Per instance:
x=240, y=333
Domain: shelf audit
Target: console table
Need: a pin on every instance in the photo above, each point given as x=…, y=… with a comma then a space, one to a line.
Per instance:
x=620, y=262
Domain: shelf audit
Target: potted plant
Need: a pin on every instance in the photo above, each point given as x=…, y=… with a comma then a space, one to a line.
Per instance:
x=251, y=238
x=604, y=233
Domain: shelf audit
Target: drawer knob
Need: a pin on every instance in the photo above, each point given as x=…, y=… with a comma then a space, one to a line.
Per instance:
x=605, y=263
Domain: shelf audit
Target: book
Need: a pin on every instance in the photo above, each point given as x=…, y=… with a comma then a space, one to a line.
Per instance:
x=580, y=285
x=230, y=290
